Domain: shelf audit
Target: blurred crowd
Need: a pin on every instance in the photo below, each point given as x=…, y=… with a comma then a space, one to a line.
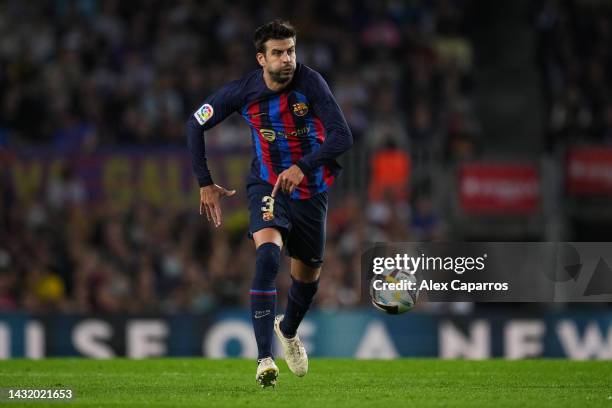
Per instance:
x=110, y=72
x=94, y=258
x=80, y=75
x=575, y=58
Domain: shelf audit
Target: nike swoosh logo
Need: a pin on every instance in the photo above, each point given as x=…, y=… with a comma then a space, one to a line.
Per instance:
x=258, y=114
x=259, y=316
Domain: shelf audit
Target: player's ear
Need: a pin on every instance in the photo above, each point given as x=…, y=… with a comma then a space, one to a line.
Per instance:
x=261, y=58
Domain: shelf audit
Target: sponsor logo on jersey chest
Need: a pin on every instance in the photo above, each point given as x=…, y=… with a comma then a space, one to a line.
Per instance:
x=268, y=134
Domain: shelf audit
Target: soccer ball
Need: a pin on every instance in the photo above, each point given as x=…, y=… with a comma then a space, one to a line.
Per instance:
x=392, y=293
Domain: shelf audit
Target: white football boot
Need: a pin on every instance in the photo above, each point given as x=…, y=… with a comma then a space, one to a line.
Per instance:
x=295, y=353
x=267, y=372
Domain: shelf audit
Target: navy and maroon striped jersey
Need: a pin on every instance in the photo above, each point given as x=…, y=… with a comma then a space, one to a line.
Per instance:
x=302, y=125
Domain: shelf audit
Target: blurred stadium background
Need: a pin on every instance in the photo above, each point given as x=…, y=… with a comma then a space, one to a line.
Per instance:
x=473, y=121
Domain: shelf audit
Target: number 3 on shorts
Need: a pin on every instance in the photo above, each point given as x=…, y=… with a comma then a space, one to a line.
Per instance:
x=268, y=208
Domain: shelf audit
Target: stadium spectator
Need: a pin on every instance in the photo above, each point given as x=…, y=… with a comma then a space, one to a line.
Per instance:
x=390, y=176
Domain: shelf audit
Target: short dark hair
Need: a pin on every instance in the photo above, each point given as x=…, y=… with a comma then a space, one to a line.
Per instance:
x=274, y=30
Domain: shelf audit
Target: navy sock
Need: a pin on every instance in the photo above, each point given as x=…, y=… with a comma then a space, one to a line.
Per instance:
x=263, y=296
x=299, y=300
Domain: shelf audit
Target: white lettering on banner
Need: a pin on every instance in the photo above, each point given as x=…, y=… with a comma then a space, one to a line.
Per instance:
x=221, y=333
x=88, y=337
x=475, y=344
x=376, y=343
x=592, y=344
x=507, y=190
x=35, y=340
x=523, y=338
x=591, y=172
x=5, y=342
x=306, y=331
x=145, y=338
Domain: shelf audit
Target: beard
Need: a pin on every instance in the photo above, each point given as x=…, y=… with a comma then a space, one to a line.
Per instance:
x=283, y=75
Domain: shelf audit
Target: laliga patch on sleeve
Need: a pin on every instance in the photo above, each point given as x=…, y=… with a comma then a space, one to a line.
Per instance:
x=204, y=113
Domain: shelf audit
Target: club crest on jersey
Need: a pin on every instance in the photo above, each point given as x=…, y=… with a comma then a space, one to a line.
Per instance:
x=268, y=134
x=300, y=109
x=205, y=112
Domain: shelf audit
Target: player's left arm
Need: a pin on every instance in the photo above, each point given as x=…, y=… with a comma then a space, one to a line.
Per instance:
x=338, y=135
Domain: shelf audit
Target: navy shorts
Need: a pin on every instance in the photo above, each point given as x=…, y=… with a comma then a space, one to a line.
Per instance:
x=300, y=222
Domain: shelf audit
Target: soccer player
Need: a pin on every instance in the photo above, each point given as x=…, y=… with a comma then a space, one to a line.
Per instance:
x=298, y=131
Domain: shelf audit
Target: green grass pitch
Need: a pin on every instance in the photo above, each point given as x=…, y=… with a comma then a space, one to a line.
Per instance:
x=330, y=382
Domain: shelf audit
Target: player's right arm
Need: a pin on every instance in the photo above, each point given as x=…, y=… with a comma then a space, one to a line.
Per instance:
x=214, y=110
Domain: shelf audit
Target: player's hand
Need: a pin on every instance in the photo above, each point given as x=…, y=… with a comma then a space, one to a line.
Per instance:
x=288, y=180
x=209, y=202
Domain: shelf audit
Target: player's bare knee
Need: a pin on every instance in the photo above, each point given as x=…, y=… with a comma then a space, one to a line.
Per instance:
x=268, y=235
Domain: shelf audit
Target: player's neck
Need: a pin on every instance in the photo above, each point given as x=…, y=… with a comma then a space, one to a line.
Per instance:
x=273, y=85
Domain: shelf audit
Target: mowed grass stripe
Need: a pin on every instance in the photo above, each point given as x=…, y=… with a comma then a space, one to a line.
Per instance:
x=330, y=382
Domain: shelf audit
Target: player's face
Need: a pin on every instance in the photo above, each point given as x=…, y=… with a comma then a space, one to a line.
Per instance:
x=279, y=60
